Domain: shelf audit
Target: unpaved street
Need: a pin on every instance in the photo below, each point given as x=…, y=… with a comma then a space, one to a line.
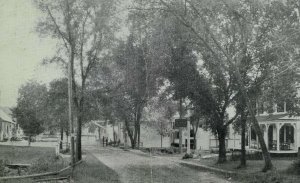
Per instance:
x=139, y=168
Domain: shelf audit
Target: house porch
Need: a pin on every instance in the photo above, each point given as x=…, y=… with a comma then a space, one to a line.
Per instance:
x=280, y=137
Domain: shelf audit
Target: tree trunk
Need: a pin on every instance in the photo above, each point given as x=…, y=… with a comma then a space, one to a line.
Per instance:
x=265, y=152
x=139, y=135
x=243, y=136
x=132, y=140
x=222, y=145
x=135, y=135
x=138, y=124
x=78, y=140
x=61, y=138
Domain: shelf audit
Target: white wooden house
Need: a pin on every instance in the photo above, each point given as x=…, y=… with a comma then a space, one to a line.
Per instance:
x=6, y=125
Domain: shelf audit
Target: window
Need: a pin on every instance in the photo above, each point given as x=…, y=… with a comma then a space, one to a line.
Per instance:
x=192, y=133
x=280, y=107
x=253, y=134
x=177, y=135
x=290, y=105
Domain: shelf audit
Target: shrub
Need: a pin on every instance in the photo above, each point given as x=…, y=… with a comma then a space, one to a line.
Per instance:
x=294, y=168
x=187, y=156
x=3, y=164
x=65, y=151
x=236, y=155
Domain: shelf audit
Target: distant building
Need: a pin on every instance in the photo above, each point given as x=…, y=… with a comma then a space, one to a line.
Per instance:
x=205, y=139
x=7, y=125
x=149, y=135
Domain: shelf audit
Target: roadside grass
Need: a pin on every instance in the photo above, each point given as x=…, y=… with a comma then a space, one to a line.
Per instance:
x=21, y=154
x=91, y=171
x=42, y=159
x=253, y=166
x=253, y=174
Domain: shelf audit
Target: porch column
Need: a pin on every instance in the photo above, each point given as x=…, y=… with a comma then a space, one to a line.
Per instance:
x=277, y=137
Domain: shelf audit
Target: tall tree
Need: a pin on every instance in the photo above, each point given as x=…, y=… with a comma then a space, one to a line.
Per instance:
x=30, y=113
x=85, y=30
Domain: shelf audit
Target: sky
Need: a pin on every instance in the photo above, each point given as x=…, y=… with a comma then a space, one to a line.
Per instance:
x=22, y=50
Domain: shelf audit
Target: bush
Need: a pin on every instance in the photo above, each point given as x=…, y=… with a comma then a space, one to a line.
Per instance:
x=65, y=151
x=3, y=164
x=294, y=168
x=15, y=139
x=187, y=156
x=236, y=155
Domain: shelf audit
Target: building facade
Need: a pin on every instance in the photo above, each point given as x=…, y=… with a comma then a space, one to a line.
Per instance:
x=8, y=127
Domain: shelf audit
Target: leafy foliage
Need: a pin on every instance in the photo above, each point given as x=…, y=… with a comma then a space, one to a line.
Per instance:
x=30, y=111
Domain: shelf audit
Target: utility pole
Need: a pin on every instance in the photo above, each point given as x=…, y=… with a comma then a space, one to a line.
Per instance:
x=70, y=103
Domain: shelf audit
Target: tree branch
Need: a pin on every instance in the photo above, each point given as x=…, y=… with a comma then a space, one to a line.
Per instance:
x=232, y=119
x=58, y=29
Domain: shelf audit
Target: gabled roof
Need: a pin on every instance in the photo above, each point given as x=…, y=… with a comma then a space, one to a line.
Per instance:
x=5, y=117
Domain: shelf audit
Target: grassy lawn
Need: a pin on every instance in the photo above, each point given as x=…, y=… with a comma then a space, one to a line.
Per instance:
x=252, y=165
x=89, y=171
x=252, y=173
x=19, y=154
x=42, y=159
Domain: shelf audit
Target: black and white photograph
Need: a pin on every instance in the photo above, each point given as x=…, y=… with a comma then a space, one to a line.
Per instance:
x=149, y=91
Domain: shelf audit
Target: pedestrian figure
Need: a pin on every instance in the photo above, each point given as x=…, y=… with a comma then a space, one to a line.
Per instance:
x=106, y=141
